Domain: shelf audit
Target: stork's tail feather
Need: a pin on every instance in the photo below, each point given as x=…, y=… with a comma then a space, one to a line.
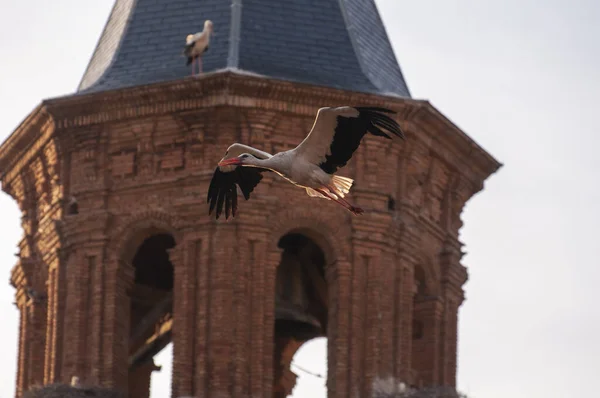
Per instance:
x=342, y=184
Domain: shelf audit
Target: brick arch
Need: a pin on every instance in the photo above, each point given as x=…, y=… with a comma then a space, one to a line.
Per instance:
x=309, y=223
x=124, y=242
x=140, y=226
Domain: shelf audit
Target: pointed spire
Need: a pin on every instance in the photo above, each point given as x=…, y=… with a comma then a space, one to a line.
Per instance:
x=334, y=43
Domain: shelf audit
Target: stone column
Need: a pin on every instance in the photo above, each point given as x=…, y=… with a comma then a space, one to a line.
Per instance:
x=83, y=309
x=404, y=319
x=246, y=340
x=36, y=319
x=220, y=333
x=116, y=329
x=428, y=310
x=271, y=261
x=407, y=247
x=184, y=257
x=73, y=315
x=30, y=297
x=387, y=325
x=55, y=320
x=95, y=303
x=448, y=340
x=367, y=313
x=246, y=293
x=37, y=340
x=199, y=264
x=339, y=279
x=454, y=276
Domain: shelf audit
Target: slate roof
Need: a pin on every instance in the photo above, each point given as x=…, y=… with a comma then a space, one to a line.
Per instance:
x=335, y=43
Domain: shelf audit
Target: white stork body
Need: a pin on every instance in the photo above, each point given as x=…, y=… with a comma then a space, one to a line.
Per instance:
x=197, y=44
x=335, y=135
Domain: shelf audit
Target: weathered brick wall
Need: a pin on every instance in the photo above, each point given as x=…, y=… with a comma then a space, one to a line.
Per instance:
x=139, y=162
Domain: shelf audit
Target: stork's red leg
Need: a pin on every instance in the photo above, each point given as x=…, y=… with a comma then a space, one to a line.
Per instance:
x=193, y=62
x=354, y=210
x=199, y=65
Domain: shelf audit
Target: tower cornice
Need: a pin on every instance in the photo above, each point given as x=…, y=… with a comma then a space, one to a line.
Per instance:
x=231, y=88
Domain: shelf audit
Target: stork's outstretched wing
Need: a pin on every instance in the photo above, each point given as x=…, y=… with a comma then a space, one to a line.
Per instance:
x=222, y=190
x=337, y=133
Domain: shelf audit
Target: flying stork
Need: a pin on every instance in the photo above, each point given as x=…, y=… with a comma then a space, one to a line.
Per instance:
x=334, y=137
x=197, y=44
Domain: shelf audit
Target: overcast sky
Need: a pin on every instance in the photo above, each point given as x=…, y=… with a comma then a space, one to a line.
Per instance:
x=522, y=78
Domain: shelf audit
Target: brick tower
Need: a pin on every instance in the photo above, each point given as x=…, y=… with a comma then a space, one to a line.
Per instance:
x=119, y=256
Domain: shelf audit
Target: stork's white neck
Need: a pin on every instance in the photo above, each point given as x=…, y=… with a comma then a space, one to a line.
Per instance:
x=277, y=163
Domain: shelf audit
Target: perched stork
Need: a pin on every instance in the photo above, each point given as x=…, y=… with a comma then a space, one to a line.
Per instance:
x=197, y=44
x=333, y=139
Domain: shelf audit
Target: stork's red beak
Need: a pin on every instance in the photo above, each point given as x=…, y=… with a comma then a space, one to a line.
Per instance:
x=230, y=162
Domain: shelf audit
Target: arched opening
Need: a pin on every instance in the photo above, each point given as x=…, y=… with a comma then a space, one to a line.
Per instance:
x=301, y=312
x=420, y=283
x=391, y=203
x=151, y=300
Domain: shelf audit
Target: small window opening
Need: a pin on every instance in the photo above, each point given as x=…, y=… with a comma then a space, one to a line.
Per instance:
x=391, y=204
